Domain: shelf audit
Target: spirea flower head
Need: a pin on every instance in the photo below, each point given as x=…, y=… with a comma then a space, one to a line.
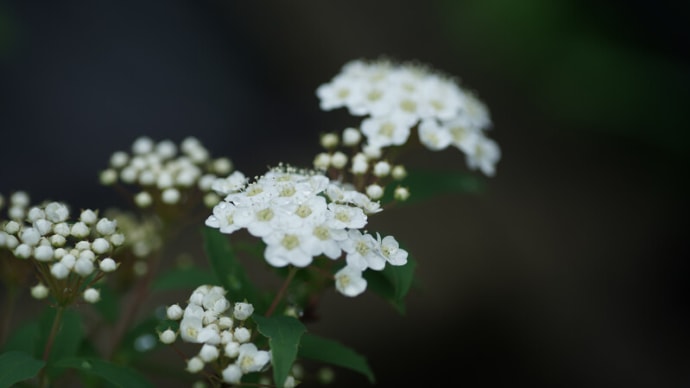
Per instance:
x=69, y=251
x=395, y=98
x=301, y=214
x=225, y=338
x=164, y=172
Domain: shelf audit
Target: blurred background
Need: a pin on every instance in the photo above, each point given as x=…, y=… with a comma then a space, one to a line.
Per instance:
x=569, y=269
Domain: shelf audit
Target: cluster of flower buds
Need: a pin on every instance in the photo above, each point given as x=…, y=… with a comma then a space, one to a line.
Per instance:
x=67, y=253
x=396, y=98
x=302, y=214
x=220, y=327
x=166, y=173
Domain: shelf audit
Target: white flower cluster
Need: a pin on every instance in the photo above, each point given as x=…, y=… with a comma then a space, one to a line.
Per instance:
x=303, y=214
x=165, y=175
x=397, y=97
x=213, y=321
x=44, y=233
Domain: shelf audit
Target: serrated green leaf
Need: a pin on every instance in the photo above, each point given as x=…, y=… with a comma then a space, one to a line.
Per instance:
x=118, y=375
x=227, y=269
x=182, y=278
x=332, y=352
x=424, y=185
x=284, y=335
x=16, y=366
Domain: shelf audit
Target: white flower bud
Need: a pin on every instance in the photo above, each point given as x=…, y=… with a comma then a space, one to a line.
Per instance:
x=39, y=291
x=242, y=334
x=232, y=349
x=372, y=151
x=88, y=217
x=211, y=200
x=338, y=159
x=43, y=226
x=225, y=322
x=167, y=337
x=170, y=196
x=83, y=267
x=35, y=214
x=142, y=145
x=242, y=310
x=329, y=140
x=108, y=265
x=374, y=191
x=19, y=198
x=11, y=242
x=187, y=177
x=174, y=312
x=106, y=227
x=108, y=177
x=68, y=260
x=382, y=168
x=30, y=236
x=206, y=181
x=87, y=254
x=208, y=353
x=399, y=172
x=117, y=239
x=100, y=245
x=79, y=230
x=164, y=180
x=58, y=240
x=92, y=295
x=322, y=161
x=232, y=374
x=351, y=137
x=62, y=229
x=359, y=164
x=119, y=159
x=143, y=199
x=195, y=365
x=147, y=177
x=59, y=271
x=82, y=246
x=401, y=193
x=44, y=253
x=12, y=227
x=16, y=212
x=129, y=174
x=222, y=166
x=23, y=251
x=57, y=212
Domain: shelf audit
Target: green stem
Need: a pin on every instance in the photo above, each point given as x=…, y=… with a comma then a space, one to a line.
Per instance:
x=57, y=321
x=283, y=289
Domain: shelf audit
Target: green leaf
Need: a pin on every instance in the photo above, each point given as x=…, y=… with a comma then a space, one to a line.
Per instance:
x=284, y=335
x=182, y=278
x=332, y=352
x=25, y=339
x=393, y=282
x=118, y=375
x=227, y=268
x=424, y=185
x=16, y=366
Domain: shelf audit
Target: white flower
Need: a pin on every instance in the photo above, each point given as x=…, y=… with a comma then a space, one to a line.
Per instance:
x=374, y=191
x=242, y=334
x=349, y=281
x=387, y=130
x=390, y=249
x=108, y=265
x=362, y=251
x=434, y=136
x=143, y=199
x=250, y=359
x=286, y=248
x=351, y=137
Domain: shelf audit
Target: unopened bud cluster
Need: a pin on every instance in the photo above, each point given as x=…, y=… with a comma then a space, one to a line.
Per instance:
x=68, y=251
x=166, y=173
x=220, y=327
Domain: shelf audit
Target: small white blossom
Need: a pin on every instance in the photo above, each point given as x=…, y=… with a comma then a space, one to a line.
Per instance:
x=143, y=199
x=39, y=291
x=174, y=312
x=208, y=353
x=232, y=374
x=195, y=365
x=349, y=281
x=242, y=310
x=108, y=265
x=351, y=136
